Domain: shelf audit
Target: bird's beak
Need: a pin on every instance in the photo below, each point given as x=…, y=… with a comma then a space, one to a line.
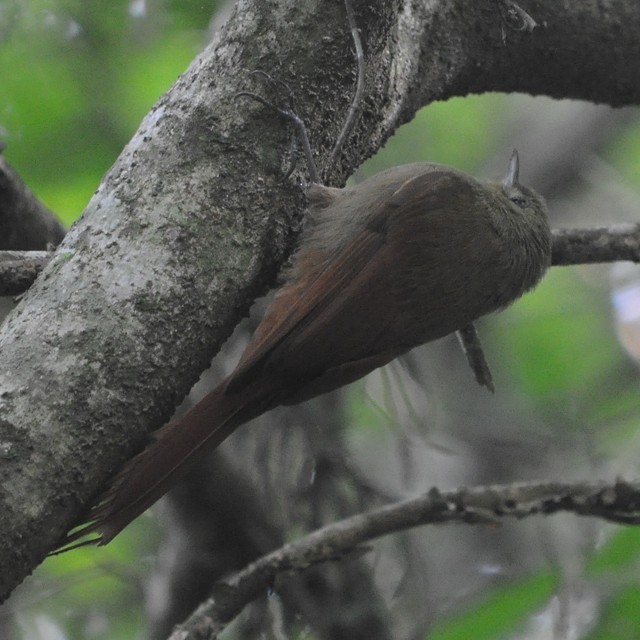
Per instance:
x=511, y=179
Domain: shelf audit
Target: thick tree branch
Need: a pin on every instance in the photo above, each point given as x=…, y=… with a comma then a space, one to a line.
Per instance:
x=106, y=341
x=619, y=503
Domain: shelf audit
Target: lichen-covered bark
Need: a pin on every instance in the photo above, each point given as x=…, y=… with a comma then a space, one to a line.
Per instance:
x=193, y=220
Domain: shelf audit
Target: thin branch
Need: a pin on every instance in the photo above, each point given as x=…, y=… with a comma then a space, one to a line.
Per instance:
x=289, y=113
x=18, y=269
x=619, y=503
x=601, y=244
x=354, y=109
x=25, y=223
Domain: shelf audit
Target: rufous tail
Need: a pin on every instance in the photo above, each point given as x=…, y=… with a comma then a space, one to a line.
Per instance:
x=147, y=476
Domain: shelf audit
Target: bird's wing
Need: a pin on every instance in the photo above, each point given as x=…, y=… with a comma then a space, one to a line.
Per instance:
x=304, y=309
x=345, y=311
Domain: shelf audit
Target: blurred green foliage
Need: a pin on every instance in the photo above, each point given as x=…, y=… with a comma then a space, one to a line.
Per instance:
x=97, y=593
x=623, y=153
x=460, y=132
x=77, y=78
x=501, y=613
x=546, y=336
x=508, y=609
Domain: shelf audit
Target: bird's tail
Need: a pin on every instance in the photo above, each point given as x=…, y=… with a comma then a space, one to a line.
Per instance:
x=147, y=476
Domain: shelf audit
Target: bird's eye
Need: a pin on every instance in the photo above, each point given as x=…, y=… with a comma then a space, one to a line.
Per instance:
x=519, y=201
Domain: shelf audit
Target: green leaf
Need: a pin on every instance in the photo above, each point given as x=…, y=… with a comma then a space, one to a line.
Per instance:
x=501, y=613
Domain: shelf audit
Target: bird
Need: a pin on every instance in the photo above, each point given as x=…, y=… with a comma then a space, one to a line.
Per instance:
x=409, y=255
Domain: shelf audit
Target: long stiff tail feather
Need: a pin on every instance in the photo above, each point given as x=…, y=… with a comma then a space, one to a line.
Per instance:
x=147, y=476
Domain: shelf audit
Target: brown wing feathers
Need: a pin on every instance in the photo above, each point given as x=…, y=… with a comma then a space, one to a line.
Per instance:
x=146, y=477
x=324, y=329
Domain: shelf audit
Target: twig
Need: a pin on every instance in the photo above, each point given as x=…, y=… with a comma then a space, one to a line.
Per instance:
x=288, y=113
x=472, y=347
x=618, y=502
x=357, y=98
x=25, y=223
x=18, y=270
x=600, y=244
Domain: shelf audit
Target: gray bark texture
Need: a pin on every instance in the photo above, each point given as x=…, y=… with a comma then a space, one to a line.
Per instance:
x=194, y=220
